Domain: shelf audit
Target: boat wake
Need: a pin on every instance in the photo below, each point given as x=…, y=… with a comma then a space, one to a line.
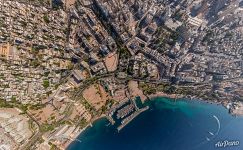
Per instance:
x=213, y=135
x=217, y=132
x=217, y=119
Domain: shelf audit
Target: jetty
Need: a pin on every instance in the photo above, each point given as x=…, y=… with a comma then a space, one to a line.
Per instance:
x=117, y=107
x=112, y=121
x=131, y=117
x=125, y=111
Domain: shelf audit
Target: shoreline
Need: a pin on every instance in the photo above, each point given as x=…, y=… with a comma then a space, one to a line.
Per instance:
x=188, y=97
x=67, y=144
x=161, y=94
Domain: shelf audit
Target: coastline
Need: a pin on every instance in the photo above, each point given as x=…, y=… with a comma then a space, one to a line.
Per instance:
x=186, y=110
x=234, y=108
x=188, y=97
x=161, y=94
x=69, y=142
x=82, y=130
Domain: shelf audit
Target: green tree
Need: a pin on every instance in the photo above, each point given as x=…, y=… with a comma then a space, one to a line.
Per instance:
x=46, y=19
x=46, y=83
x=83, y=123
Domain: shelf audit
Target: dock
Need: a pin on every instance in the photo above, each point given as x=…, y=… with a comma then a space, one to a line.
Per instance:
x=131, y=117
x=112, y=121
x=125, y=111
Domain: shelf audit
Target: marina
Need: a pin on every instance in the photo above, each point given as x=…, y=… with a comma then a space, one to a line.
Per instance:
x=111, y=120
x=158, y=127
x=124, y=112
x=131, y=117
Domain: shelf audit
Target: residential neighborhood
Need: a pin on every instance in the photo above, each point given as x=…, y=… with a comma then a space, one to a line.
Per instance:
x=66, y=63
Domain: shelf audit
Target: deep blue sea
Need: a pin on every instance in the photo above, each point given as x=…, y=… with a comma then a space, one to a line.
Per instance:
x=167, y=125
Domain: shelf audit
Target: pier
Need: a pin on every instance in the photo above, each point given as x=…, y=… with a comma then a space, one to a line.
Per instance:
x=112, y=121
x=115, y=108
x=125, y=111
x=131, y=117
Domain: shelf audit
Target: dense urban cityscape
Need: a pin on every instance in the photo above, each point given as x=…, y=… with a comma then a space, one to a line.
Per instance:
x=66, y=63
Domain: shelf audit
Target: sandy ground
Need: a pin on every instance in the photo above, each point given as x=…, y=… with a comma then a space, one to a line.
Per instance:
x=135, y=91
x=10, y=111
x=96, y=95
x=69, y=3
x=111, y=61
x=15, y=112
x=45, y=113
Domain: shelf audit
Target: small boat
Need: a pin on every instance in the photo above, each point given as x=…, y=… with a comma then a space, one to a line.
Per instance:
x=210, y=133
x=207, y=139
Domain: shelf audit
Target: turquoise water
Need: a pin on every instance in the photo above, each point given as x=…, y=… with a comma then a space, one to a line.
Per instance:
x=167, y=125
